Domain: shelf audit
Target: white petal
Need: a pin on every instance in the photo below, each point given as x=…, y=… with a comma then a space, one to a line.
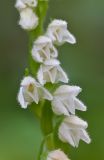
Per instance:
x=31, y=3
x=79, y=105
x=34, y=96
x=65, y=135
x=62, y=75
x=21, y=99
x=21, y=4
x=57, y=155
x=43, y=49
x=52, y=62
x=58, y=23
x=28, y=19
x=40, y=76
x=45, y=94
x=70, y=90
x=42, y=40
x=53, y=75
x=58, y=32
x=68, y=37
x=76, y=122
x=69, y=105
x=27, y=80
x=84, y=136
x=58, y=108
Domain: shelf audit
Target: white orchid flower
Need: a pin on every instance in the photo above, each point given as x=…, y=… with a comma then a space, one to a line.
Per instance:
x=57, y=155
x=31, y=91
x=58, y=32
x=51, y=71
x=72, y=130
x=43, y=49
x=22, y=4
x=28, y=19
x=65, y=101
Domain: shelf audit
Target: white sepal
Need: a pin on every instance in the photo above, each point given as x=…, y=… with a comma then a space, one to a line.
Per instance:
x=65, y=101
x=72, y=130
x=28, y=19
x=57, y=155
x=51, y=71
x=31, y=91
x=43, y=49
x=58, y=32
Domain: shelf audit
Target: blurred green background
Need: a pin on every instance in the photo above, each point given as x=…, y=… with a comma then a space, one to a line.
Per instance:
x=84, y=62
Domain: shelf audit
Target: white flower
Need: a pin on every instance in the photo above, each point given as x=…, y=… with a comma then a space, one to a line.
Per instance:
x=72, y=129
x=28, y=19
x=57, y=155
x=51, y=71
x=58, y=32
x=21, y=4
x=65, y=101
x=31, y=91
x=43, y=49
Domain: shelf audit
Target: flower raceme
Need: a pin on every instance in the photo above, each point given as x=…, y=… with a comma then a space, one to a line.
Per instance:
x=58, y=32
x=72, y=129
x=57, y=155
x=51, y=71
x=31, y=91
x=65, y=101
x=28, y=18
x=43, y=49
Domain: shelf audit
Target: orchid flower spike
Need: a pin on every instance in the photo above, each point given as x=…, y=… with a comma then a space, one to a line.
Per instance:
x=72, y=129
x=57, y=155
x=65, y=101
x=43, y=49
x=22, y=4
x=31, y=91
x=58, y=32
x=51, y=71
x=28, y=19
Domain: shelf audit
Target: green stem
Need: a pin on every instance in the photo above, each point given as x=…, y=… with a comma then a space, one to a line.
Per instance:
x=41, y=11
x=46, y=119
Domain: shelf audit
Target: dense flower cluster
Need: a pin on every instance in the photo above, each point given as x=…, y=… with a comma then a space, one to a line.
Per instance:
x=64, y=99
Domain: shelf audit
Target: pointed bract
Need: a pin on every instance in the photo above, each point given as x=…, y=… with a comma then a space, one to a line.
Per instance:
x=31, y=91
x=58, y=32
x=65, y=101
x=72, y=130
x=43, y=49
